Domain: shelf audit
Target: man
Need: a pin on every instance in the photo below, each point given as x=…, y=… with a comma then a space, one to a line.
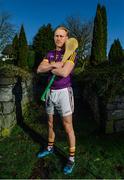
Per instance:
x=60, y=96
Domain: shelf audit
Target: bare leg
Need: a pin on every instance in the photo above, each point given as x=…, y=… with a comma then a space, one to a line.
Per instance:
x=51, y=134
x=51, y=137
x=67, y=122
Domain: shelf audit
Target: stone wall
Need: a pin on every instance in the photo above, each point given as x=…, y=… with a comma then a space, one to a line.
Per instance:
x=7, y=105
x=115, y=115
x=15, y=94
x=110, y=115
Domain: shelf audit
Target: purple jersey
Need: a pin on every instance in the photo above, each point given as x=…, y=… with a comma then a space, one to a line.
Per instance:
x=59, y=82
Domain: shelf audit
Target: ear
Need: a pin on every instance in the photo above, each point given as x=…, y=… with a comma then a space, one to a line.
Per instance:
x=66, y=38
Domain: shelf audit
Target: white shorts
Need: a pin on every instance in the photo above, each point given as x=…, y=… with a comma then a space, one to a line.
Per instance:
x=61, y=100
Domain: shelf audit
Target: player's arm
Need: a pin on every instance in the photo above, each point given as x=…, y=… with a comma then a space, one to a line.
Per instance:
x=44, y=66
x=63, y=71
x=66, y=69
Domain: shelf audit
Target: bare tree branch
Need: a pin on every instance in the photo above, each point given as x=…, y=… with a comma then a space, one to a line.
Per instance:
x=83, y=32
x=7, y=31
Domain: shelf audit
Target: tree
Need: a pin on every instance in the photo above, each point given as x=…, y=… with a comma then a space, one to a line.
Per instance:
x=104, y=24
x=82, y=31
x=8, y=50
x=99, y=42
x=43, y=42
x=31, y=58
x=116, y=52
x=6, y=30
x=23, y=49
x=15, y=49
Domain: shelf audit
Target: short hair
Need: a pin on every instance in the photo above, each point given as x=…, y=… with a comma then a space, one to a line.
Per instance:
x=62, y=28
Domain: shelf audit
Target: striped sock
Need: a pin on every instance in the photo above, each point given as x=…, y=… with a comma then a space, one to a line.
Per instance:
x=50, y=144
x=72, y=154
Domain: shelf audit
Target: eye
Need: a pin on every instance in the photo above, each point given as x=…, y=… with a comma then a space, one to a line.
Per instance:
x=61, y=36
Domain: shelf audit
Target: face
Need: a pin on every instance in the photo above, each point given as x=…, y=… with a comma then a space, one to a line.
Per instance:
x=60, y=38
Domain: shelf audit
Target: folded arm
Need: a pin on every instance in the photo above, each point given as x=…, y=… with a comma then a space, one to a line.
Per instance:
x=63, y=71
x=57, y=68
x=45, y=66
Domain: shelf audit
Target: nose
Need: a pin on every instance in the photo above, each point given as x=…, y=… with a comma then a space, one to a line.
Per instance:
x=58, y=37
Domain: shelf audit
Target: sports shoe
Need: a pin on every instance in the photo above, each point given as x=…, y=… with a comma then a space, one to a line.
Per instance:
x=44, y=153
x=69, y=167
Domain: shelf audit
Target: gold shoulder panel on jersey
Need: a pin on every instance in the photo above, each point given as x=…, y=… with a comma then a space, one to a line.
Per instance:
x=72, y=58
x=70, y=61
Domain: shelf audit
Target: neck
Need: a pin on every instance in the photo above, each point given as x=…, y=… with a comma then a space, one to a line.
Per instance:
x=58, y=48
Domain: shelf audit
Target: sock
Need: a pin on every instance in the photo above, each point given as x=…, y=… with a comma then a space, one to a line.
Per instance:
x=72, y=154
x=50, y=144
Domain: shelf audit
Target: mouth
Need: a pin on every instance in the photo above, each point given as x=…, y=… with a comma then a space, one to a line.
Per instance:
x=58, y=42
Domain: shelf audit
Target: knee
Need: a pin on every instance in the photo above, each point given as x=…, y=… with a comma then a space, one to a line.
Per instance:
x=68, y=128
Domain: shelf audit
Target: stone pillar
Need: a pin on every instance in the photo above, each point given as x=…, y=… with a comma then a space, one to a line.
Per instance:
x=7, y=105
x=115, y=115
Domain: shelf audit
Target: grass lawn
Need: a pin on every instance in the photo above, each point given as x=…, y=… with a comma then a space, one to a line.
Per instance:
x=97, y=155
x=17, y=155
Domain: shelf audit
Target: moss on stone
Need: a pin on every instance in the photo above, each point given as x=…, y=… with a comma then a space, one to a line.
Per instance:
x=109, y=127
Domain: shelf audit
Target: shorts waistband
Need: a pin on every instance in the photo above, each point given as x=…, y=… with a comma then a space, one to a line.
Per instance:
x=57, y=90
